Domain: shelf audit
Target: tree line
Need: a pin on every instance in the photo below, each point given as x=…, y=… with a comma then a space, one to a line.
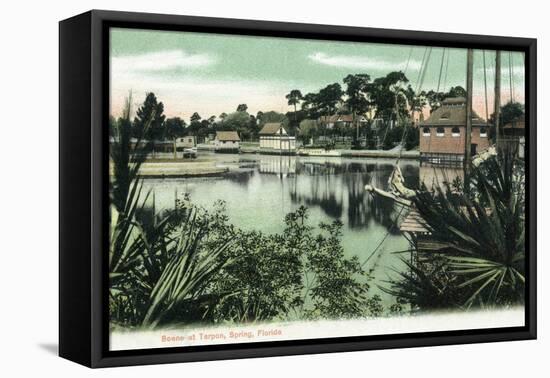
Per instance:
x=389, y=100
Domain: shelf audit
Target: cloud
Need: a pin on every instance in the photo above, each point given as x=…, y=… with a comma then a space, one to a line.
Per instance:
x=184, y=94
x=178, y=80
x=160, y=61
x=362, y=62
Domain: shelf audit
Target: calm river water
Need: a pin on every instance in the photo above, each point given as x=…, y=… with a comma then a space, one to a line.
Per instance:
x=261, y=189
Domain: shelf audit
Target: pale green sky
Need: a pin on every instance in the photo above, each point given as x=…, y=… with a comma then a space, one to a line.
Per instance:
x=213, y=73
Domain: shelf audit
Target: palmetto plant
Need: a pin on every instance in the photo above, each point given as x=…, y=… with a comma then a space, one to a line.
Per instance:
x=159, y=267
x=426, y=286
x=160, y=270
x=187, y=272
x=482, y=236
x=127, y=155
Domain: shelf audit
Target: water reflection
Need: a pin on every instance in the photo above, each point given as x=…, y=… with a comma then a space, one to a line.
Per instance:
x=333, y=187
x=242, y=177
x=338, y=188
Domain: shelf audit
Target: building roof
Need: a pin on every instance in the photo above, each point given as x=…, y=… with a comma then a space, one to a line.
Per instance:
x=271, y=128
x=339, y=118
x=518, y=123
x=454, y=101
x=336, y=118
x=227, y=136
x=452, y=112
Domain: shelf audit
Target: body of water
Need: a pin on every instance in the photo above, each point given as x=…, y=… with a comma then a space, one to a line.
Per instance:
x=260, y=190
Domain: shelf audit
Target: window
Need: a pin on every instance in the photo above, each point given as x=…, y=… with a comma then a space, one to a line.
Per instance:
x=426, y=131
x=455, y=132
x=440, y=131
x=483, y=132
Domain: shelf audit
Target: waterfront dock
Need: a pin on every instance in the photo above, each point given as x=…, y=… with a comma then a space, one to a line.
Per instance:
x=380, y=154
x=393, y=153
x=178, y=169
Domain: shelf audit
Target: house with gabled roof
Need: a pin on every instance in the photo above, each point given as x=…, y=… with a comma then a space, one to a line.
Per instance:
x=227, y=141
x=274, y=139
x=188, y=141
x=443, y=134
x=341, y=120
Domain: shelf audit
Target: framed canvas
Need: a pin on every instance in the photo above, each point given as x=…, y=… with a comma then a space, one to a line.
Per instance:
x=234, y=188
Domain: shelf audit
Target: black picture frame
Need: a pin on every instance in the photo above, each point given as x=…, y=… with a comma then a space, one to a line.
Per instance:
x=83, y=181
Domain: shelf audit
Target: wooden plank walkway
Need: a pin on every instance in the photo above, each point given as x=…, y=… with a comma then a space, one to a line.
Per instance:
x=413, y=222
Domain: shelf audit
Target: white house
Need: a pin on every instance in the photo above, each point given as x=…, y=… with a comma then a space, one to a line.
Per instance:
x=274, y=139
x=342, y=120
x=227, y=141
x=185, y=142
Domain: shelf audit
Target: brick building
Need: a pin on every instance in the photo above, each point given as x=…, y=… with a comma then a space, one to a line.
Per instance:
x=443, y=134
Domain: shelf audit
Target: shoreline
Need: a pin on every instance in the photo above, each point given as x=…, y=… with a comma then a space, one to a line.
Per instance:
x=200, y=167
x=178, y=169
x=320, y=152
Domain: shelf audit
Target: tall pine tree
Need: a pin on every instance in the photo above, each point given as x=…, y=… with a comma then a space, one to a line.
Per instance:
x=152, y=110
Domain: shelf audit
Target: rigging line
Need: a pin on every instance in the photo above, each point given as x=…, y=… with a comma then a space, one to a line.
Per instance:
x=421, y=67
x=425, y=68
x=422, y=177
x=438, y=88
x=422, y=75
x=441, y=70
x=402, y=143
x=446, y=70
x=404, y=73
x=419, y=74
x=408, y=61
x=384, y=238
x=510, y=76
x=430, y=140
x=397, y=112
x=407, y=65
x=421, y=83
x=485, y=84
x=513, y=81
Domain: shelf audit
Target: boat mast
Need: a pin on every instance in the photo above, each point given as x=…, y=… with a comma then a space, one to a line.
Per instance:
x=497, y=97
x=468, y=141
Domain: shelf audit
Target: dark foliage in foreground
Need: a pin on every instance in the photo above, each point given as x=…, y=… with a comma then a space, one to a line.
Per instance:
x=482, y=261
x=193, y=266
